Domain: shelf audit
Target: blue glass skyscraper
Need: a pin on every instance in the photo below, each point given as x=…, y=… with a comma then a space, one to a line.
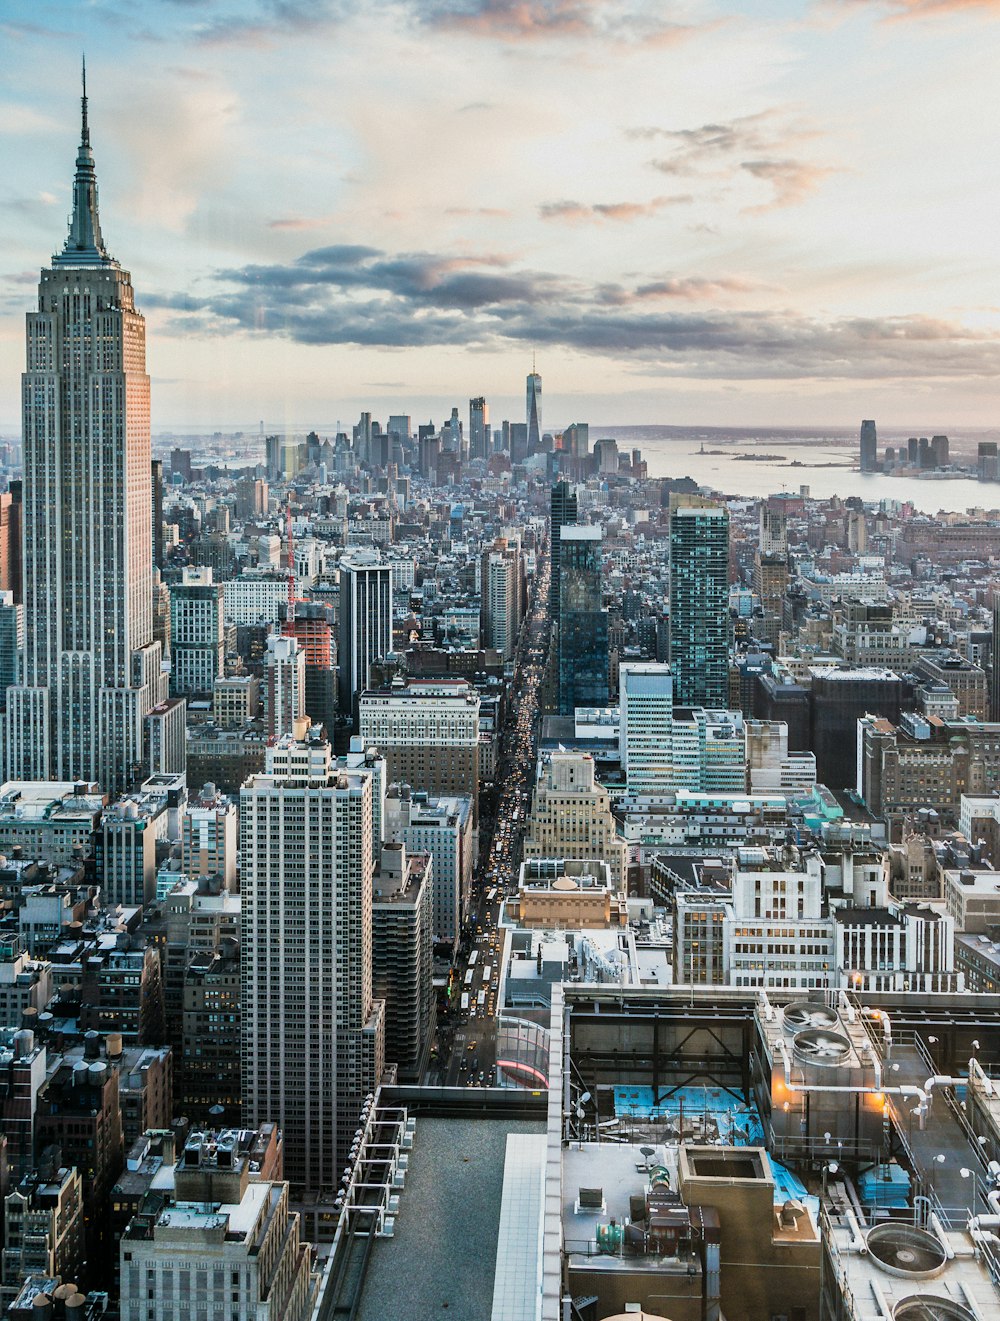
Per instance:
x=699, y=604
x=583, y=624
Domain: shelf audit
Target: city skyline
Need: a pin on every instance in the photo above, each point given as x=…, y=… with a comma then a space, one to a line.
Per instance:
x=696, y=249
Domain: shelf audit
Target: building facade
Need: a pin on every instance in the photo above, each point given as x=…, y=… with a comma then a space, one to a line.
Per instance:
x=91, y=669
x=313, y=1035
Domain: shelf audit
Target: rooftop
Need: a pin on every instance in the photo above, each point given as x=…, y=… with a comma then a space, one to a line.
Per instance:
x=444, y=1253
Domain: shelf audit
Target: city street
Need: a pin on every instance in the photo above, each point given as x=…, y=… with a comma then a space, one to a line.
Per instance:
x=473, y=1048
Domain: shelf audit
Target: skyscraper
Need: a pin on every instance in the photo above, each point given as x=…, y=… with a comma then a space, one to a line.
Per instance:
x=365, y=621
x=313, y=1036
x=500, y=596
x=869, y=447
x=197, y=632
x=699, y=603
x=563, y=509
x=479, y=429
x=285, y=684
x=646, y=701
x=534, y=411
x=91, y=669
x=583, y=624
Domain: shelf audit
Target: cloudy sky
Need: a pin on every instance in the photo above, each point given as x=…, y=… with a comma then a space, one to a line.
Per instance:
x=780, y=212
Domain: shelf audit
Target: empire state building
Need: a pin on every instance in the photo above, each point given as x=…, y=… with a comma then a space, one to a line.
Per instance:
x=90, y=670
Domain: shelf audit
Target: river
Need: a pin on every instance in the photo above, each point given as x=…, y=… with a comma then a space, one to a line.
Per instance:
x=720, y=469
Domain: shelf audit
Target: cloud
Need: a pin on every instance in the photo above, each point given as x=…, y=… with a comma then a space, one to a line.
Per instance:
x=926, y=8
x=631, y=21
x=495, y=212
x=18, y=120
x=793, y=180
x=261, y=23
x=695, y=148
x=350, y=294
x=301, y=222
x=575, y=212
x=752, y=144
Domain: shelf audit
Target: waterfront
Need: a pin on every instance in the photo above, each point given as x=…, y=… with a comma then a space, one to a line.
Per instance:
x=724, y=469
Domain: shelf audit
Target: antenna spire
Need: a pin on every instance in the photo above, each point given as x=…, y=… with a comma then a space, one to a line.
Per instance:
x=85, y=127
x=85, y=244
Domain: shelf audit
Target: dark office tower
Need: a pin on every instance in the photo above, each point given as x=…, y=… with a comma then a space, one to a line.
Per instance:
x=987, y=469
x=563, y=510
x=699, y=604
x=869, y=446
x=583, y=624
x=15, y=542
x=428, y=454
x=995, y=662
x=534, y=420
x=365, y=621
x=479, y=429
x=518, y=442
x=913, y=452
x=180, y=463
x=924, y=452
x=91, y=670
x=838, y=700
x=939, y=451
x=156, y=474
x=272, y=458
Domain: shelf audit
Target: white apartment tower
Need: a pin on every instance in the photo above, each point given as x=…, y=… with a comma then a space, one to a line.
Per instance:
x=500, y=596
x=313, y=1037
x=646, y=699
x=365, y=621
x=285, y=683
x=91, y=670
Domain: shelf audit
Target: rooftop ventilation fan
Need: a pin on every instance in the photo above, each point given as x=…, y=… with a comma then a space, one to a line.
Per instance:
x=819, y=1046
x=804, y=1014
x=906, y=1251
x=929, y=1307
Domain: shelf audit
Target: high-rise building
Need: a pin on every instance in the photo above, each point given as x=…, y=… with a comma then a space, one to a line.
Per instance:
x=646, y=699
x=313, y=1036
x=197, y=632
x=428, y=732
x=219, y=1240
x=571, y=815
x=583, y=624
x=500, y=598
x=11, y=642
x=995, y=661
x=699, y=603
x=563, y=509
x=365, y=621
x=534, y=411
x=403, y=957
x=479, y=428
x=251, y=498
x=156, y=488
x=284, y=684
x=91, y=668
x=576, y=439
x=869, y=446
x=166, y=732
x=10, y=543
x=773, y=529
x=208, y=836
x=441, y=827
x=987, y=468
